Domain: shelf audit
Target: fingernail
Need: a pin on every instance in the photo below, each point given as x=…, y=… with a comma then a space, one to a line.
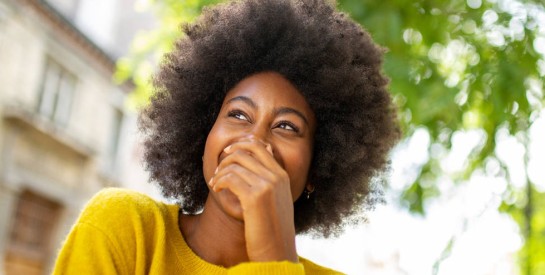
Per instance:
x=227, y=149
x=216, y=171
x=210, y=181
x=269, y=148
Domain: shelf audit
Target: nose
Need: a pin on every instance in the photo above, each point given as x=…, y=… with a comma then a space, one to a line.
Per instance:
x=263, y=141
x=260, y=131
x=261, y=134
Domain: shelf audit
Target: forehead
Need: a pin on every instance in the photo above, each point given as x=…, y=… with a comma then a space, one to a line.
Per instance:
x=269, y=89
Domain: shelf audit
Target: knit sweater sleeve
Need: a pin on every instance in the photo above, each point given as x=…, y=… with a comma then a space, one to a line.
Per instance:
x=88, y=250
x=91, y=247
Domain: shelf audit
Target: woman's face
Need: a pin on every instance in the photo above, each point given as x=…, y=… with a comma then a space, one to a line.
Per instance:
x=267, y=109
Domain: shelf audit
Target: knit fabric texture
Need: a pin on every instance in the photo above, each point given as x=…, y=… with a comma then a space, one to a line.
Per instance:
x=125, y=232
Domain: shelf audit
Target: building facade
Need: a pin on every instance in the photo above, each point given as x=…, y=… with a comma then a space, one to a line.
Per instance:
x=65, y=130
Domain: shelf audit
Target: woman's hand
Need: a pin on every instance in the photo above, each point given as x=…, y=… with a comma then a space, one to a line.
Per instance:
x=262, y=186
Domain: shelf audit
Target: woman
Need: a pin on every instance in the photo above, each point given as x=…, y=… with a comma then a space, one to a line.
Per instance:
x=269, y=119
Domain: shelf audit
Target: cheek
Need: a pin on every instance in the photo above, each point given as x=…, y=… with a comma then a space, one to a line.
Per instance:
x=210, y=152
x=298, y=164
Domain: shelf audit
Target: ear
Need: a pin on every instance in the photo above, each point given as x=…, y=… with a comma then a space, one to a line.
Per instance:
x=310, y=187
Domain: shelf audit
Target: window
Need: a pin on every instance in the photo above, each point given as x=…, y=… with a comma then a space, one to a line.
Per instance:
x=30, y=236
x=57, y=93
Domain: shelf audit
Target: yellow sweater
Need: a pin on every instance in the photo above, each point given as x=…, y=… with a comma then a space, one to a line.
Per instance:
x=124, y=232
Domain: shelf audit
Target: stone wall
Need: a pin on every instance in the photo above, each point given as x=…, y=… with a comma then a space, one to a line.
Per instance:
x=60, y=164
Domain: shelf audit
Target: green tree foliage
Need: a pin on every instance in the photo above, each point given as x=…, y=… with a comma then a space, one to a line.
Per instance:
x=455, y=66
x=147, y=48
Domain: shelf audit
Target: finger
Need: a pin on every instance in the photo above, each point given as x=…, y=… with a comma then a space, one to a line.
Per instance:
x=252, y=179
x=232, y=181
x=244, y=159
x=252, y=138
x=251, y=189
x=257, y=149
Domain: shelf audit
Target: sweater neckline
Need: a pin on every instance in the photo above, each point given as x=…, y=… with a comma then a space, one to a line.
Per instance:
x=186, y=255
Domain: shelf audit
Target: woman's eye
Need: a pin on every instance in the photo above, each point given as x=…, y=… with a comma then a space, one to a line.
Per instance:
x=286, y=125
x=238, y=115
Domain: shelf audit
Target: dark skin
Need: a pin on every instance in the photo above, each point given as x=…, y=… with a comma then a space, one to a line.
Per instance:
x=256, y=162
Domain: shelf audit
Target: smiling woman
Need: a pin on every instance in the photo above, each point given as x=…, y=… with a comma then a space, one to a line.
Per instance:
x=269, y=119
x=256, y=160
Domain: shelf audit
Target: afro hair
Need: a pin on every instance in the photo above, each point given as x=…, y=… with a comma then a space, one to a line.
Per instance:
x=330, y=59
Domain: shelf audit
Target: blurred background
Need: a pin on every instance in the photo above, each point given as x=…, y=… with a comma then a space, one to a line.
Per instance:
x=466, y=192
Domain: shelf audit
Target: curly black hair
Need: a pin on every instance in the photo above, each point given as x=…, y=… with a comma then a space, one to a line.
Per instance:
x=330, y=59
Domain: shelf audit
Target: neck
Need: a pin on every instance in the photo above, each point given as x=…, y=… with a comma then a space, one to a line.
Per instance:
x=214, y=236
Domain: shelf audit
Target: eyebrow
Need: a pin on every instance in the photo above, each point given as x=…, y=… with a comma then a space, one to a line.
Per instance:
x=278, y=111
x=287, y=110
x=244, y=99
